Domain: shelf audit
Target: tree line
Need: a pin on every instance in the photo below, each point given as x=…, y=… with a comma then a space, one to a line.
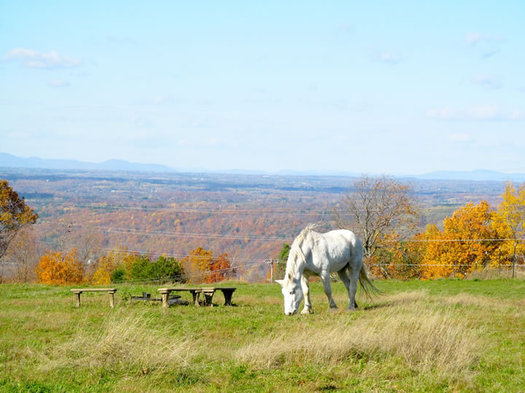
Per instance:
x=385, y=216
x=119, y=266
x=382, y=212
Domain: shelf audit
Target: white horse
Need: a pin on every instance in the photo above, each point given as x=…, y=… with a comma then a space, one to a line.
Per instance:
x=314, y=253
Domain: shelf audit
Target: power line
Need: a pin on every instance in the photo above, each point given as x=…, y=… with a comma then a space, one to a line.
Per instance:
x=201, y=235
x=275, y=211
x=189, y=234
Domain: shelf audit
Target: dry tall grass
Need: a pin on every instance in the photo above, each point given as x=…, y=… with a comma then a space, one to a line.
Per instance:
x=425, y=338
x=124, y=341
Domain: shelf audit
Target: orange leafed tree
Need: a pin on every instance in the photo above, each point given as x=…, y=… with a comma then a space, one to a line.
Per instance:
x=14, y=215
x=509, y=223
x=219, y=269
x=468, y=241
x=397, y=258
x=60, y=269
x=118, y=258
x=201, y=266
x=102, y=275
x=197, y=263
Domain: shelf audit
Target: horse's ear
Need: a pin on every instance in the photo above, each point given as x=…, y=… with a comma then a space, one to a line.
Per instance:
x=280, y=282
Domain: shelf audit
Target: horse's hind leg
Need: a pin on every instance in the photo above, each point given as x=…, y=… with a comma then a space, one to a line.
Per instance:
x=325, y=277
x=354, y=278
x=306, y=291
x=343, y=275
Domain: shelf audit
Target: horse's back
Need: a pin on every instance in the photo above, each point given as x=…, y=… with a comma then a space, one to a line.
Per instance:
x=350, y=239
x=338, y=248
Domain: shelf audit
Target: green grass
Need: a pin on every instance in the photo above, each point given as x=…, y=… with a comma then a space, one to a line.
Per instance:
x=420, y=336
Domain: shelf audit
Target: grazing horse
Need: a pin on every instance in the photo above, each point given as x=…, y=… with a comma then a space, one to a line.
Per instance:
x=314, y=253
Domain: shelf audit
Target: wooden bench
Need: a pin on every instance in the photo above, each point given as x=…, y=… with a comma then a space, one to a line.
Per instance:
x=110, y=291
x=207, y=292
x=227, y=292
x=165, y=293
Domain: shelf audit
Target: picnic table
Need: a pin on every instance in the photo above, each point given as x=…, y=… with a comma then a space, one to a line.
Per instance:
x=208, y=293
x=165, y=293
x=110, y=291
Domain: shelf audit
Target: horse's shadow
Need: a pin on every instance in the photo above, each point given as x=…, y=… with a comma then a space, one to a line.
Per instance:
x=394, y=300
x=375, y=306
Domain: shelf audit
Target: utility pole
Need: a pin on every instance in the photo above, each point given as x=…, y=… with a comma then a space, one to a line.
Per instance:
x=499, y=261
x=514, y=259
x=270, y=263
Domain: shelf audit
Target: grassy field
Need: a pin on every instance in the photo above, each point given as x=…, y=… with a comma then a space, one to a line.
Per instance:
x=437, y=336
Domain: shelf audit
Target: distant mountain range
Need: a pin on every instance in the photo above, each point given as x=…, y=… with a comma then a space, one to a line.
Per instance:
x=11, y=161
x=479, y=175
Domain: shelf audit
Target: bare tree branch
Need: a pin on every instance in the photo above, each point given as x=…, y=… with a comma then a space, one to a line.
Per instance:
x=374, y=208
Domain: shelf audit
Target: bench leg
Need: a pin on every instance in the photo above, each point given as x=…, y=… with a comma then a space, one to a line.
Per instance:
x=78, y=299
x=195, y=298
x=112, y=299
x=228, y=298
x=165, y=300
x=208, y=299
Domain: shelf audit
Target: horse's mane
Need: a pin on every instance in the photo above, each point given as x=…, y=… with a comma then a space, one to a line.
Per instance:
x=305, y=231
x=296, y=246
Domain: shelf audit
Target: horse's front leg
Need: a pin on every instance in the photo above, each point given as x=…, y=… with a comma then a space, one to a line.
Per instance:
x=325, y=278
x=306, y=291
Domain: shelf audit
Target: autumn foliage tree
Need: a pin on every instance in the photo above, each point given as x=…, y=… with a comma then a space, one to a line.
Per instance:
x=509, y=222
x=14, y=215
x=201, y=266
x=219, y=269
x=468, y=241
x=398, y=258
x=60, y=269
x=117, y=262
x=196, y=264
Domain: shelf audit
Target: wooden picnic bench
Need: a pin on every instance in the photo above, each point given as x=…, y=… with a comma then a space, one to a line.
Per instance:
x=227, y=292
x=110, y=291
x=165, y=293
x=208, y=293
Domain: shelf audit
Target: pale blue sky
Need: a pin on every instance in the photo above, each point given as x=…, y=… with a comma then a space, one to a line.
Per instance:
x=397, y=87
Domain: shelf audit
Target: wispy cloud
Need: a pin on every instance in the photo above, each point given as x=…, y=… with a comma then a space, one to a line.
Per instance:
x=59, y=83
x=461, y=138
x=34, y=59
x=489, y=45
x=162, y=99
x=490, y=53
x=348, y=28
x=473, y=38
x=486, y=81
x=478, y=113
x=386, y=57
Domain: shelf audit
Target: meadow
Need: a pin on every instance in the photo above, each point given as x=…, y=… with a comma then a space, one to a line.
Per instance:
x=419, y=336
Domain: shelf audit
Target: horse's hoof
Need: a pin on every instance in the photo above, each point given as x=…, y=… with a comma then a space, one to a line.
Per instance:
x=307, y=311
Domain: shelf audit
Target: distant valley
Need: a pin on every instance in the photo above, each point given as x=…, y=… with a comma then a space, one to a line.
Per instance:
x=11, y=161
x=247, y=216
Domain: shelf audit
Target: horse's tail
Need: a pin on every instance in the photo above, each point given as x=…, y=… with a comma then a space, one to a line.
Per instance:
x=367, y=285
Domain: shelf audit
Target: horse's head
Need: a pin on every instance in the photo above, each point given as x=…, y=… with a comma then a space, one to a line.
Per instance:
x=293, y=294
